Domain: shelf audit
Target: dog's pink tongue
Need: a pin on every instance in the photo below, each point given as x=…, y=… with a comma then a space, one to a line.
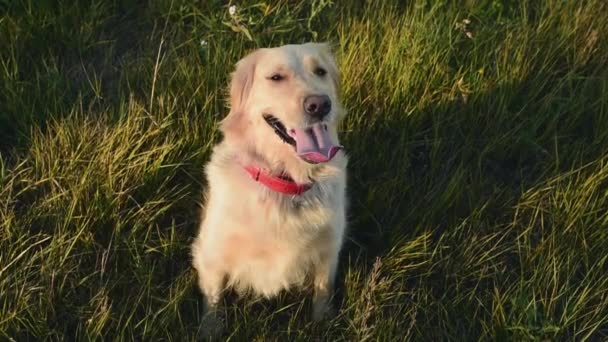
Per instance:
x=314, y=144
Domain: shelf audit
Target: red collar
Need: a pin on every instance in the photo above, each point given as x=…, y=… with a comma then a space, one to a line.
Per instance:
x=277, y=184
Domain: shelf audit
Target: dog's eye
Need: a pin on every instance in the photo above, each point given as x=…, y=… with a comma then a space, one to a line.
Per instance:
x=276, y=77
x=320, y=71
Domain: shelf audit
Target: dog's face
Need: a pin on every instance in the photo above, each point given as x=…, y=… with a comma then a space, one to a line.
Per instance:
x=284, y=103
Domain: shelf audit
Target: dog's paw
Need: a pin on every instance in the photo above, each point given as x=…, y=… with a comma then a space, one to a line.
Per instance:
x=323, y=311
x=211, y=327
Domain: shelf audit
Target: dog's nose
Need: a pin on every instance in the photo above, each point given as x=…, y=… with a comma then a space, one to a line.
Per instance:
x=317, y=106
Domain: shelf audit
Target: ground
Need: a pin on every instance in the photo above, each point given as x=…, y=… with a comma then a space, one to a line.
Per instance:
x=478, y=141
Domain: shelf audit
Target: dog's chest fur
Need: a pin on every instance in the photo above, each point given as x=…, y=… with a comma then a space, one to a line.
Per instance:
x=268, y=241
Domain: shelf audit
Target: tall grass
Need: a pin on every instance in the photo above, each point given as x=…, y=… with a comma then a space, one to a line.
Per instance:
x=478, y=138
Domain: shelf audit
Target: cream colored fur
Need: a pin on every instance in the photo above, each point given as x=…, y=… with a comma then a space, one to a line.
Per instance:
x=252, y=238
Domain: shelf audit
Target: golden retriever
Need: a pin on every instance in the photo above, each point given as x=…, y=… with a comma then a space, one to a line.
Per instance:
x=275, y=208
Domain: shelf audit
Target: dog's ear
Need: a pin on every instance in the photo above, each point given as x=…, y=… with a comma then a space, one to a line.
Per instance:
x=242, y=80
x=240, y=86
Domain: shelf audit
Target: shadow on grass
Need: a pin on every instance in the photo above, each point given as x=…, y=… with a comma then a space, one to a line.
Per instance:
x=451, y=164
x=64, y=56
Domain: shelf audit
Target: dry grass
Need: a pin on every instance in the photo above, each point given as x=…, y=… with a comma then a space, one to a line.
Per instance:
x=479, y=167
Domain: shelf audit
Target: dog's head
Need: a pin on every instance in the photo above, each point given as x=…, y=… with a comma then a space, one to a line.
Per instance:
x=284, y=103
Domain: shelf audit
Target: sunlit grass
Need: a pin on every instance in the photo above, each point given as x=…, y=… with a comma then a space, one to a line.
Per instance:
x=478, y=136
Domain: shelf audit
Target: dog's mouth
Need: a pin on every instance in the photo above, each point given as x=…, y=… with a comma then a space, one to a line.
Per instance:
x=313, y=143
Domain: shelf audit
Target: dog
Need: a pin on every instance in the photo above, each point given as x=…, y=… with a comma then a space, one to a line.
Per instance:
x=275, y=211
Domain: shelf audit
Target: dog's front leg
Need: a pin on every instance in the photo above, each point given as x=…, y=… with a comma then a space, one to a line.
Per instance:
x=324, y=281
x=211, y=281
x=212, y=286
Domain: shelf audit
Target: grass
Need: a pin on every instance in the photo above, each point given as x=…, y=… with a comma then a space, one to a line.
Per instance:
x=478, y=136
